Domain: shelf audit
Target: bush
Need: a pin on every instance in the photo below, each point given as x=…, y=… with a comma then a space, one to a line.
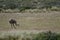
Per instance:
x=0, y=9
x=23, y=8
x=47, y=36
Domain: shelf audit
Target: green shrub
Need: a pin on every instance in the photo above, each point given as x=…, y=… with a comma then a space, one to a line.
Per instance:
x=23, y=8
x=47, y=36
x=0, y=9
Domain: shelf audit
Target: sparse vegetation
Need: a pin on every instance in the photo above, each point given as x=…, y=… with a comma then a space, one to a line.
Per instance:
x=32, y=36
x=40, y=19
x=29, y=4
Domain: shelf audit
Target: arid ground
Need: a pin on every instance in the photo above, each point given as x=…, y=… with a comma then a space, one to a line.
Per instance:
x=31, y=21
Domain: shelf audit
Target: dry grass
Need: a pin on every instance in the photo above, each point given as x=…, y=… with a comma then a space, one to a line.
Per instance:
x=32, y=21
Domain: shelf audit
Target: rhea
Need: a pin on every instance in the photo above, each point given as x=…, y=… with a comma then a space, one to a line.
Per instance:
x=13, y=23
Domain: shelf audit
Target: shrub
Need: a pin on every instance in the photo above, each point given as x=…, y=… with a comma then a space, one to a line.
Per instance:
x=23, y=8
x=0, y=9
x=47, y=36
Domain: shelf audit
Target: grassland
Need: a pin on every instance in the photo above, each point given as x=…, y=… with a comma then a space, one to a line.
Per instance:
x=32, y=21
x=32, y=25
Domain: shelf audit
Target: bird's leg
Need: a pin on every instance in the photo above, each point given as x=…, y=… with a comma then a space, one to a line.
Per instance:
x=14, y=26
x=11, y=26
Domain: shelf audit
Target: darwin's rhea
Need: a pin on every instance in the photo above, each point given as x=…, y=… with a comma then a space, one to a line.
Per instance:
x=13, y=23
